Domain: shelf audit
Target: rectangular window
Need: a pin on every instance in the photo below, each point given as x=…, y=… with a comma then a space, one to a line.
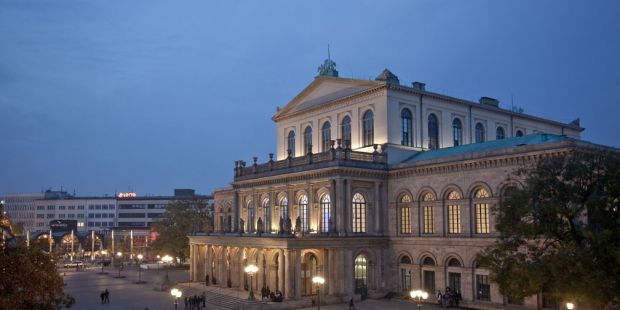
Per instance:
x=71, y=216
x=80, y=216
x=61, y=207
x=405, y=220
x=483, y=289
x=97, y=207
x=40, y=207
x=51, y=207
x=111, y=207
x=104, y=207
x=90, y=216
x=40, y=216
x=71, y=207
x=61, y=216
x=104, y=215
x=482, y=218
x=80, y=207
x=428, y=220
x=131, y=215
x=91, y=207
x=454, y=281
x=454, y=219
x=50, y=216
x=429, y=280
x=111, y=215
x=98, y=215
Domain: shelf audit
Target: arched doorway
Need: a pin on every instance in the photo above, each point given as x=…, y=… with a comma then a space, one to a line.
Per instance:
x=405, y=273
x=309, y=269
x=276, y=263
x=361, y=275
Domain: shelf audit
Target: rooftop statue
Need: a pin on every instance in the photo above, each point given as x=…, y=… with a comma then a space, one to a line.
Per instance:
x=328, y=68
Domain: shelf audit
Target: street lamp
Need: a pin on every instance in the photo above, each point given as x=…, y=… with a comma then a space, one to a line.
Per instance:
x=167, y=259
x=419, y=294
x=570, y=306
x=120, y=263
x=318, y=280
x=251, y=270
x=176, y=293
x=140, y=269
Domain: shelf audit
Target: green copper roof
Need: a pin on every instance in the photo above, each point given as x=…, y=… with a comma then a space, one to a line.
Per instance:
x=538, y=138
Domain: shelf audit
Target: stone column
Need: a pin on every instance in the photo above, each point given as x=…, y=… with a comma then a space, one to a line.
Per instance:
x=311, y=209
x=334, y=205
x=224, y=269
x=241, y=271
x=347, y=208
x=236, y=213
x=192, y=262
x=274, y=215
x=348, y=266
x=281, y=270
x=291, y=202
x=330, y=273
x=340, y=268
x=288, y=281
x=209, y=261
x=298, y=273
x=377, y=223
x=340, y=219
x=261, y=270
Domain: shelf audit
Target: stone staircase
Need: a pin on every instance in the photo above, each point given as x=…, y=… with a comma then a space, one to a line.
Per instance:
x=215, y=296
x=222, y=300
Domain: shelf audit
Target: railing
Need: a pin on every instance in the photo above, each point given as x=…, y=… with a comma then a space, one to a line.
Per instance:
x=339, y=154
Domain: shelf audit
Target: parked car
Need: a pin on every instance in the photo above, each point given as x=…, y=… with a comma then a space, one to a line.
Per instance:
x=75, y=264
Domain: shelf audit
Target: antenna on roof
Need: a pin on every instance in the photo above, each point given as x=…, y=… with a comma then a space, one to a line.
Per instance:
x=328, y=54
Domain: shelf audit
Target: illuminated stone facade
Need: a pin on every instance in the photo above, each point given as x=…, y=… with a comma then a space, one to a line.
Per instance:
x=403, y=208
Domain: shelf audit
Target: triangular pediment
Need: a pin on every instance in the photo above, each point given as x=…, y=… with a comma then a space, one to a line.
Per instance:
x=324, y=90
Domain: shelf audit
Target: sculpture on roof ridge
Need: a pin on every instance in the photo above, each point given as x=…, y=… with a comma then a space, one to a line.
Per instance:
x=328, y=68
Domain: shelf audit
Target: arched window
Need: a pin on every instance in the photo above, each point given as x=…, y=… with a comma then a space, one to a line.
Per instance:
x=519, y=133
x=361, y=272
x=454, y=278
x=284, y=208
x=499, y=133
x=482, y=211
x=359, y=213
x=267, y=209
x=368, y=130
x=405, y=214
x=428, y=274
x=326, y=136
x=457, y=132
x=325, y=213
x=303, y=209
x=250, y=216
x=406, y=127
x=291, y=143
x=454, y=213
x=345, y=128
x=479, y=133
x=428, y=216
x=405, y=273
x=453, y=262
x=307, y=140
x=433, y=132
x=309, y=270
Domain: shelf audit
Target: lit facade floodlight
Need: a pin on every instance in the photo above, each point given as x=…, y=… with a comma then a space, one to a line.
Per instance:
x=167, y=259
x=119, y=254
x=318, y=280
x=570, y=306
x=419, y=295
x=140, y=256
x=176, y=294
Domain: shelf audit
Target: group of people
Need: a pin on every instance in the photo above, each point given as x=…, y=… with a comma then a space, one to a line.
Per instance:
x=105, y=297
x=450, y=298
x=195, y=302
x=276, y=296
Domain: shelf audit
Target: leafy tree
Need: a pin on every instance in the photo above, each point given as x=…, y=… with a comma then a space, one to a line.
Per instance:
x=561, y=230
x=182, y=218
x=29, y=280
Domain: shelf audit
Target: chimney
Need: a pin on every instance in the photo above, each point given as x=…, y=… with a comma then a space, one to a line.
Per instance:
x=489, y=101
x=419, y=85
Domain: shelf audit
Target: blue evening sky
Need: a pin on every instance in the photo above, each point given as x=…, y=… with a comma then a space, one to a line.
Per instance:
x=102, y=96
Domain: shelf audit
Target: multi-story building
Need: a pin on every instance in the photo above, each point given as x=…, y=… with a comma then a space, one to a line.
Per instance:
x=20, y=207
x=379, y=187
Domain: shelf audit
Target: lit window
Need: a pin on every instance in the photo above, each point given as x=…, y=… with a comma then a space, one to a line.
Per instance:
x=267, y=209
x=359, y=213
x=482, y=212
x=454, y=214
x=361, y=271
x=303, y=205
x=284, y=208
x=483, y=288
x=325, y=213
x=405, y=214
x=429, y=223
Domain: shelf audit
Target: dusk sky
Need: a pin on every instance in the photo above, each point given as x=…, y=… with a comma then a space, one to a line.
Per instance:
x=105, y=96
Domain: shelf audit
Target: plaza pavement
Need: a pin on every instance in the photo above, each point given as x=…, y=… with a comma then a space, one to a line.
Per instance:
x=86, y=285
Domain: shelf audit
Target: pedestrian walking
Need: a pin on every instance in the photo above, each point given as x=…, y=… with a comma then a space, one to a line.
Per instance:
x=351, y=305
x=102, y=295
x=106, y=294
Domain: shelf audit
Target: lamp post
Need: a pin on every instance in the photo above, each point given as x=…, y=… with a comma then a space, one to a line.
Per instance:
x=570, y=306
x=251, y=270
x=167, y=259
x=318, y=280
x=158, y=260
x=140, y=269
x=176, y=294
x=419, y=294
x=120, y=263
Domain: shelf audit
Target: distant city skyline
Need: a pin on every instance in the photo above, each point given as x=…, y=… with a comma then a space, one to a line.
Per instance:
x=153, y=96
